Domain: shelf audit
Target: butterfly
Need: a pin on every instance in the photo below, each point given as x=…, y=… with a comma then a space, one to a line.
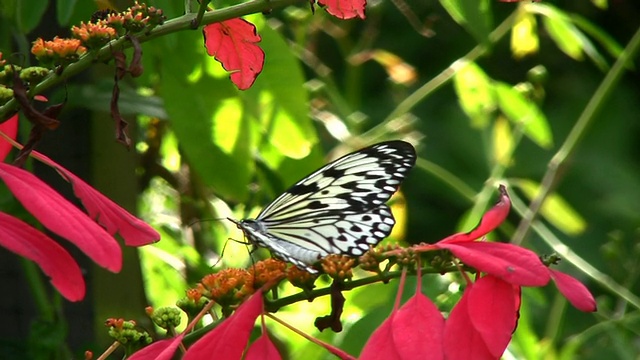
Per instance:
x=338, y=209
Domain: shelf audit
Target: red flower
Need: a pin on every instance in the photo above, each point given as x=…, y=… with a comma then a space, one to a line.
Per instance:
x=481, y=323
x=415, y=331
x=65, y=219
x=229, y=339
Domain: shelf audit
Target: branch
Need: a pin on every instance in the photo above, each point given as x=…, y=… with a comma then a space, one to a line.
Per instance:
x=184, y=22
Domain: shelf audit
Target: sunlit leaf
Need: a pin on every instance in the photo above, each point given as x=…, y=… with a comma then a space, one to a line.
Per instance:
x=502, y=141
x=555, y=209
x=524, y=35
x=475, y=94
x=475, y=16
x=281, y=107
x=520, y=110
x=226, y=166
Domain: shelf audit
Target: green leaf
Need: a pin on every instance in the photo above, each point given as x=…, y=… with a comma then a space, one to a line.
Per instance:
x=565, y=35
x=555, y=209
x=29, y=13
x=473, y=15
x=64, y=10
x=475, y=94
x=207, y=117
x=520, y=110
x=608, y=42
x=281, y=100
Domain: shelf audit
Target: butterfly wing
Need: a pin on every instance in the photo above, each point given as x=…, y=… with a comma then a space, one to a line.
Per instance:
x=354, y=183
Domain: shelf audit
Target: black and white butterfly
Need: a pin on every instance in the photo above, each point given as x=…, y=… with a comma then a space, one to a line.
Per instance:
x=338, y=209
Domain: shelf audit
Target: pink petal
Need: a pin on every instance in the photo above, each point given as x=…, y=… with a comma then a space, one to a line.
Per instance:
x=577, y=294
x=345, y=9
x=490, y=220
x=233, y=43
x=159, y=350
x=417, y=330
x=110, y=215
x=229, y=339
x=381, y=345
x=511, y=263
x=10, y=128
x=461, y=339
x=262, y=349
x=61, y=217
x=20, y=238
x=493, y=313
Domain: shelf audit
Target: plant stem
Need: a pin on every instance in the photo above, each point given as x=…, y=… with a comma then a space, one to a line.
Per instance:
x=568, y=148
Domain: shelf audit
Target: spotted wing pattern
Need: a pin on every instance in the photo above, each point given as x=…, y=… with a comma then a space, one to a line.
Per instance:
x=338, y=209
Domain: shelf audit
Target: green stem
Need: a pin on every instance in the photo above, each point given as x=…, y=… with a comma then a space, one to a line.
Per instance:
x=569, y=255
x=447, y=74
x=568, y=148
x=38, y=289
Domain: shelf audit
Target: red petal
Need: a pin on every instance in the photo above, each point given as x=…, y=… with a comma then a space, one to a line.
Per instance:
x=134, y=231
x=61, y=217
x=233, y=43
x=230, y=338
x=159, y=350
x=461, y=340
x=262, y=349
x=511, y=263
x=381, y=345
x=417, y=329
x=10, y=128
x=577, y=294
x=53, y=259
x=345, y=9
x=490, y=220
x=493, y=313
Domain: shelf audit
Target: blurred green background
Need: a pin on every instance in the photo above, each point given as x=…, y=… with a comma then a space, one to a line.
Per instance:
x=488, y=91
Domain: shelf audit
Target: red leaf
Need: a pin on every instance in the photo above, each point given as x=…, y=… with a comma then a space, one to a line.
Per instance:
x=417, y=330
x=381, y=345
x=511, y=263
x=461, y=340
x=577, y=294
x=110, y=215
x=159, y=350
x=490, y=220
x=233, y=43
x=53, y=259
x=230, y=338
x=262, y=349
x=493, y=313
x=10, y=128
x=61, y=217
x=345, y=9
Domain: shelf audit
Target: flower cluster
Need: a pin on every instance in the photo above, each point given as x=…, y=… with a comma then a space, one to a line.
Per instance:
x=126, y=333
x=93, y=35
x=59, y=51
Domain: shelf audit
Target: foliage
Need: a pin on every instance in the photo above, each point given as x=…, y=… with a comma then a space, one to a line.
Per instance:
x=526, y=111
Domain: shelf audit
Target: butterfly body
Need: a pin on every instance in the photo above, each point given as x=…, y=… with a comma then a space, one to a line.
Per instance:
x=338, y=209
